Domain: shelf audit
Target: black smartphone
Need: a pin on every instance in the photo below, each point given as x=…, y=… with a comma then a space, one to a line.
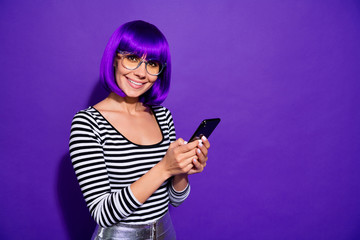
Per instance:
x=205, y=128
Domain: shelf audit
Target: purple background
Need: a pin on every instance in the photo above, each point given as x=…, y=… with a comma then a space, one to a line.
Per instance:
x=282, y=75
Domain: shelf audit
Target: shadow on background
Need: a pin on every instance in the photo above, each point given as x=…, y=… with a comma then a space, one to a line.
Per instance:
x=78, y=221
x=76, y=215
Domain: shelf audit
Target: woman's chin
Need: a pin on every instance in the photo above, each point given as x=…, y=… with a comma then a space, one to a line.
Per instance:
x=132, y=96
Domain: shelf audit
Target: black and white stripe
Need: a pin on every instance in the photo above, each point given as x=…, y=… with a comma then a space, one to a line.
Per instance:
x=106, y=163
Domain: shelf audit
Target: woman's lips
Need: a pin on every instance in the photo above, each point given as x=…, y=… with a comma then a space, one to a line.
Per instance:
x=135, y=84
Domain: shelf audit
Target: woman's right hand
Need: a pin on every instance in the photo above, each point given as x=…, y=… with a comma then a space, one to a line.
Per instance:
x=179, y=157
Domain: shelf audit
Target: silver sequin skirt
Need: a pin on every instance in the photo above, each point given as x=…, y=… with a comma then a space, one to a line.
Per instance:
x=161, y=229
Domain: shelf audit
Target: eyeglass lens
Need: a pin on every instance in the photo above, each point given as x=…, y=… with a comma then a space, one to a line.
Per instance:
x=132, y=61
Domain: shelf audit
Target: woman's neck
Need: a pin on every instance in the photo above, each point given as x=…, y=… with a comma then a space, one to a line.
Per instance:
x=126, y=104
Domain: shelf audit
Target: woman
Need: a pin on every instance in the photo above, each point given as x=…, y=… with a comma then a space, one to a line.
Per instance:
x=124, y=150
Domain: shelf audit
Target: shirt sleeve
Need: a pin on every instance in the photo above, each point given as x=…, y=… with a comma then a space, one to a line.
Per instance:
x=176, y=197
x=106, y=207
x=170, y=122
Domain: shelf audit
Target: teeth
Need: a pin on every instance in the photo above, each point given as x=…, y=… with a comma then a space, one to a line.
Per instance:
x=136, y=83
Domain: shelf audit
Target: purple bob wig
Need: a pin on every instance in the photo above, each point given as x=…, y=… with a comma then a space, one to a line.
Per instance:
x=141, y=38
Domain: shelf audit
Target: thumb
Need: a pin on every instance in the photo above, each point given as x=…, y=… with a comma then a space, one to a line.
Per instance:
x=180, y=142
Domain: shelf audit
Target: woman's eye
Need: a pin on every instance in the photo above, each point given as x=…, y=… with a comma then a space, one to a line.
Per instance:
x=153, y=64
x=133, y=58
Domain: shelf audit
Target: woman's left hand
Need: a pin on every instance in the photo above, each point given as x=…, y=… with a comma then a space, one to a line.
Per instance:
x=201, y=152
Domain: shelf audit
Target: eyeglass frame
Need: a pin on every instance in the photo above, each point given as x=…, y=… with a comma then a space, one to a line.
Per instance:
x=163, y=65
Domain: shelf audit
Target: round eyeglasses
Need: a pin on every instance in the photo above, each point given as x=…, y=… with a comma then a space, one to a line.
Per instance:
x=132, y=61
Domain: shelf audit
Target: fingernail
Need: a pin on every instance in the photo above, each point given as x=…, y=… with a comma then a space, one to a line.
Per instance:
x=200, y=143
x=203, y=138
x=185, y=142
x=194, y=160
x=198, y=150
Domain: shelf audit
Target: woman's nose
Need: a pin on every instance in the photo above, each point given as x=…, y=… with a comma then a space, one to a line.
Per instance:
x=141, y=70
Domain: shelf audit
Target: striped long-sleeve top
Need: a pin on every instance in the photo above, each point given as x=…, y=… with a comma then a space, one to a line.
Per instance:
x=106, y=163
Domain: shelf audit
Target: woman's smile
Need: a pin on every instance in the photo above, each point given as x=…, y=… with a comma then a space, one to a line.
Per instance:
x=135, y=84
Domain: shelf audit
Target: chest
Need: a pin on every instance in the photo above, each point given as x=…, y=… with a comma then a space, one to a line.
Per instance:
x=141, y=129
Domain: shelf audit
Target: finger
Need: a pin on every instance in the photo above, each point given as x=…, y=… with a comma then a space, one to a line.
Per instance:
x=180, y=142
x=176, y=143
x=188, y=168
x=203, y=148
x=189, y=154
x=184, y=163
x=205, y=141
x=197, y=164
x=192, y=171
x=189, y=160
x=202, y=157
x=188, y=147
x=196, y=169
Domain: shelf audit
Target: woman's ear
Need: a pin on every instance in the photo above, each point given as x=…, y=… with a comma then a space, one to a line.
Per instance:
x=116, y=59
